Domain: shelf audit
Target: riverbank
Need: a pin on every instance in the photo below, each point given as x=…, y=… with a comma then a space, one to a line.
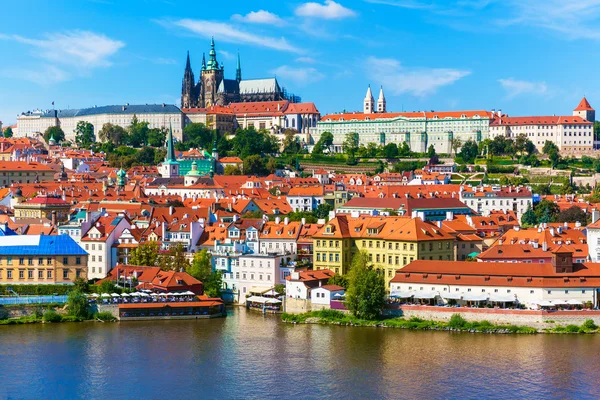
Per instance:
x=456, y=324
x=41, y=313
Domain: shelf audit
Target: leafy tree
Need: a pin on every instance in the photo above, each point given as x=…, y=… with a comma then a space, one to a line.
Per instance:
x=197, y=135
x=308, y=216
x=232, y=170
x=84, y=134
x=469, y=151
x=404, y=150
x=431, y=151
x=108, y=287
x=8, y=132
x=291, y=144
x=138, y=132
x=159, y=155
x=146, y=254
x=77, y=304
x=597, y=130
x=546, y=211
x=174, y=259
x=549, y=147
x=201, y=269
x=270, y=144
x=271, y=165
x=254, y=165
x=81, y=285
x=248, y=142
x=114, y=134
x=365, y=296
x=529, y=218
x=573, y=214
x=390, y=150
x=350, y=147
x=322, y=211
x=339, y=280
x=223, y=145
x=145, y=155
x=157, y=137
x=279, y=288
x=54, y=132
x=455, y=144
x=324, y=142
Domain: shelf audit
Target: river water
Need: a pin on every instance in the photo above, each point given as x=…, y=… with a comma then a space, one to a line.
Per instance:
x=251, y=356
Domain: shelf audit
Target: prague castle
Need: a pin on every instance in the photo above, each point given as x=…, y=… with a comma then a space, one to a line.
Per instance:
x=213, y=89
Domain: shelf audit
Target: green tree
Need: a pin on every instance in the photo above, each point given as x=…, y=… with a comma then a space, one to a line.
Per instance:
x=390, y=150
x=404, y=150
x=8, y=132
x=81, y=285
x=254, y=165
x=232, y=170
x=54, y=132
x=114, y=134
x=529, y=218
x=77, y=304
x=279, y=288
x=108, y=287
x=597, y=130
x=322, y=211
x=145, y=155
x=84, y=134
x=365, y=296
x=469, y=151
x=196, y=135
x=291, y=144
x=324, y=143
x=157, y=137
x=455, y=144
x=201, y=269
x=137, y=132
x=350, y=147
x=271, y=165
x=431, y=151
x=174, y=259
x=573, y=214
x=146, y=254
x=546, y=211
x=339, y=280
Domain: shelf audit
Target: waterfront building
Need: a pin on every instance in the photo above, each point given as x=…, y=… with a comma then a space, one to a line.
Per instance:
x=41, y=259
x=561, y=282
x=298, y=285
x=159, y=116
x=213, y=88
x=98, y=241
x=391, y=243
x=280, y=237
x=593, y=237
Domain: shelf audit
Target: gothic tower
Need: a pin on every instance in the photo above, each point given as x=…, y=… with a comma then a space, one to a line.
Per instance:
x=238, y=70
x=381, y=106
x=189, y=97
x=212, y=76
x=369, y=102
x=585, y=111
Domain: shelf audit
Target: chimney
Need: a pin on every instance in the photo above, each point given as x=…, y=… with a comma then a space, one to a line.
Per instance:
x=552, y=232
x=577, y=224
x=449, y=215
x=54, y=218
x=545, y=246
x=303, y=221
x=286, y=221
x=439, y=224
x=595, y=215
x=277, y=220
x=499, y=242
x=171, y=210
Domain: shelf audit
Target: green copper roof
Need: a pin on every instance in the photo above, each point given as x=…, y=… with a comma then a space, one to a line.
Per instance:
x=213, y=64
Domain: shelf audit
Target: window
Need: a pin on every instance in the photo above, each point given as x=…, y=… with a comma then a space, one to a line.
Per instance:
x=49, y=274
x=30, y=274
x=78, y=260
x=48, y=261
x=9, y=274
x=99, y=258
x=40, y=274
x=21, y=274
x=65, y=260
x=8, y=260
x=21, y=261
x=65, y=274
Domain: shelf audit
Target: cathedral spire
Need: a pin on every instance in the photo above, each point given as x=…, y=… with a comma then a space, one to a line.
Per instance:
x=368, y=102
x=188, y=66
x=238, y=70
x=212, y=56
x=203, y=62
x=381, y=103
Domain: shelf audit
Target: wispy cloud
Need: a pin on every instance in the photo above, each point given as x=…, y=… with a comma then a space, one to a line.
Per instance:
x=260, y=17
x=82, y=49
x=300, y=76
x=514, y=87
x=416, y=81
x=328, y=10
x=306, y=60
x=164, y=61
x=44, y=75
x=228, y=33
x=410, y=4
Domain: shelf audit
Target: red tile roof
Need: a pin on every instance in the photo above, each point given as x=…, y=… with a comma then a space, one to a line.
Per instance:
x=584, y=105
x=419, y=115
x=539, y=120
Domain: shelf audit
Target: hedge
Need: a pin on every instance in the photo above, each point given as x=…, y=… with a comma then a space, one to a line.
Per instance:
x=36, y=289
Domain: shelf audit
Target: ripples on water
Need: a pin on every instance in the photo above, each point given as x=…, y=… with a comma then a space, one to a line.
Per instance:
x=250, y=356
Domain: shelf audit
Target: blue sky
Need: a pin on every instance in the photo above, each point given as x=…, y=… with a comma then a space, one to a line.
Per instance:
x=524, y=57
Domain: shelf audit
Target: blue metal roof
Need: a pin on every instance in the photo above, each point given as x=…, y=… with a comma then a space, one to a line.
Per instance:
x=117, y=109
x=6, y=231
x=59, y=245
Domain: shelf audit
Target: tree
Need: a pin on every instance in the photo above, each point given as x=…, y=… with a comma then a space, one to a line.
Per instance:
x=81, y=285
x=157, y=137
x=84, y=134
x=546, y=211
x=549, y=147
x=279, y=288
x=196, y=135
x=365, y=296
x=54, y=132
x=455, y=144
x=232, y=170
x=201, y=269
x=114, y=134
x=138, y=132
x=146, y=254
x=404, y=150
x=77, y=304
x=469, y=151
x=390, y=150
x=339, y=280
x=145, y=155
x=8, y=132
x=107, y=287
x=174, y=259
x=271, y=165
x=431, y=151
x=325, y=142
x=350, y=147
x=254, y=165
x=597, y=130
x=291, y=144
x=529, y=218
x=322, y=211
x=573, y=214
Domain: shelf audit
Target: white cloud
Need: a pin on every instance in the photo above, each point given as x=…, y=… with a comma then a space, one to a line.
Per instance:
x=514, y=87
x=416, y=81
x=80, y=49
x=410, y=4
x=164, y=61
x=45, y=75
x=329, y=10
x=306, y=60
x=231, y=34
x=259, y=17
x=300, y=76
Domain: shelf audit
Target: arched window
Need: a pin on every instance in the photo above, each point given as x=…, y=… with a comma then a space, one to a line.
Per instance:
x=293, y=123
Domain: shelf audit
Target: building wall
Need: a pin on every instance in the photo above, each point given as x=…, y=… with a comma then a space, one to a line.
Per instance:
x=26, y=269
x=7, y=177
x=568, y=138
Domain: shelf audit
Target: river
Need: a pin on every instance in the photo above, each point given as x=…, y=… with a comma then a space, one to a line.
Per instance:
x=251, y=356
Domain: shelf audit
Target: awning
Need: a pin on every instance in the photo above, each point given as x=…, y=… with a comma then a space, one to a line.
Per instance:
x=574, y=302
x=259, y=289
x=425, y=295
x=473, y=254
x=273, y=301
x=545, y=304
x=559, y=302
x=452, y=296
x=502, y=298
x=257, y=299
x=401, y=295
x=475, y=296
x=339, y=295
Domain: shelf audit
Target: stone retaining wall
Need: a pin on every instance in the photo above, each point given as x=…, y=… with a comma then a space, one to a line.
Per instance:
x=532, y=318
x=299, y=306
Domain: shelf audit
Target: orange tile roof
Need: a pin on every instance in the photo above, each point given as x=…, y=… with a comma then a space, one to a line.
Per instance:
x=584, y=105
x=392, y=115
x=537, y=120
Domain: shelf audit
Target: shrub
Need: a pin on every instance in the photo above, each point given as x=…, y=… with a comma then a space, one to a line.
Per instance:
x=572, y=328
x=457, y=322
x=589, y=325
x=330, y=314
x=51, y=316
x=36, y=289
x=77, y=304
x=105, y=316
x=3, y=313
x=71, y=318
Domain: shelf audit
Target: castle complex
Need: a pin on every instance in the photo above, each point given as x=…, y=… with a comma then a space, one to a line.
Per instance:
x=213, y=89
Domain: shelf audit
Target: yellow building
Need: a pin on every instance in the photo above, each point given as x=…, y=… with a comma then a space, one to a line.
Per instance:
x=24, y=172
x=49, y=207
x=39, y=259
x=391, y=242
